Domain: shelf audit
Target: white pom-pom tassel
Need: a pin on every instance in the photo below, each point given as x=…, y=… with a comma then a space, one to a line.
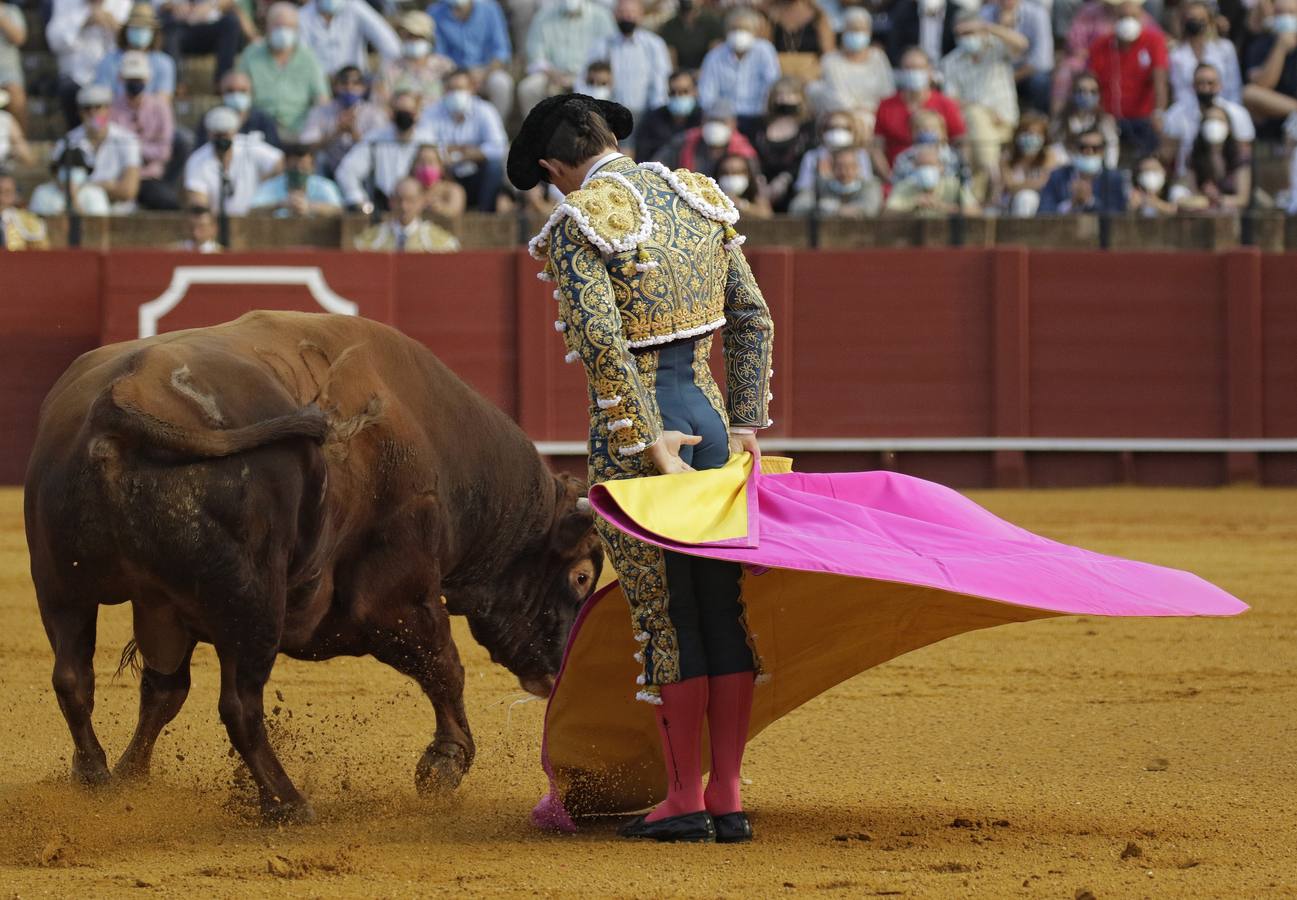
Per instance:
x=544, y=276
x=642, y=637
x=609, y=402
x=762, y=678
x=639, y=657
x=644, y=267
x=769, y=396
x=649, y=697
x=556, y=294
x=736, y=242
x=620, y=424
x=633, y=449
x=560, y=326
x=571, y=357
x=639, y=679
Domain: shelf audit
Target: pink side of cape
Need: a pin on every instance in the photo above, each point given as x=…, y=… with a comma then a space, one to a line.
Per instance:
x=892, y=527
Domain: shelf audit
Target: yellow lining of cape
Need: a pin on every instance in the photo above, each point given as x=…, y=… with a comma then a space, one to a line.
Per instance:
x=700, y=507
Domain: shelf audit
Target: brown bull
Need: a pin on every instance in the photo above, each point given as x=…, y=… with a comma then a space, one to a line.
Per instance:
x=303, y=484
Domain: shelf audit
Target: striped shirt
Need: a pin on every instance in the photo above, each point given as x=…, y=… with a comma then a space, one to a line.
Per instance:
x=382, y=155
x=562, y=43
x=480, y=127
x=345, y=38
x=745, y=81
x=641, y=65
x=985, y=80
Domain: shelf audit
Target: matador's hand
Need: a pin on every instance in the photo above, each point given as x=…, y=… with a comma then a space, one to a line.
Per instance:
x=665, y=452
x=742, y=441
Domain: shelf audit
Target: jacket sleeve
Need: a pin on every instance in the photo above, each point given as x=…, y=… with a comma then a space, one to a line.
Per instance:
x=592, y=328
x=748, y=340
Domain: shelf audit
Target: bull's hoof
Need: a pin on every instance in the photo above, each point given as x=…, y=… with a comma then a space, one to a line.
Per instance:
x=90, y=771
x=441, y=769
x=290, y=812
x=130, y=768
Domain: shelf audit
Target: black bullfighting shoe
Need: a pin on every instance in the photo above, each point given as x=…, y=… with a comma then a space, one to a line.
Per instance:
x=694, y=827
x=733, y=828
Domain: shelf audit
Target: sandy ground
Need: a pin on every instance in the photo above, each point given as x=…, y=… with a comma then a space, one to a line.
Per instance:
x=1139, y=758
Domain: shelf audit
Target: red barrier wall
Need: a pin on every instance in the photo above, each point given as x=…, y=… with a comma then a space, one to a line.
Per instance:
x=904, y=343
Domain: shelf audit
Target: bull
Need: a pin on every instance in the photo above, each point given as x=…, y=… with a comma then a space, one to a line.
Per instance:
x=294, y=483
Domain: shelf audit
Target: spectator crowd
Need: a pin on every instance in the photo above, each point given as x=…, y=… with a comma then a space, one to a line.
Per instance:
x=835, y=108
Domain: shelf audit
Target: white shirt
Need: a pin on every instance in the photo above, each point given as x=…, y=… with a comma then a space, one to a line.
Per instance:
x=341, y=41
x=1184, y=117
x=481, y=126
x=252, y=160
x=599, y=164
x=382, y=154
x=8, y=124
x=117, y=152
x=78, y=45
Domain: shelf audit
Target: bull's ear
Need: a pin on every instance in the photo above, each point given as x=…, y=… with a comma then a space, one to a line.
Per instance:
x=572, y=529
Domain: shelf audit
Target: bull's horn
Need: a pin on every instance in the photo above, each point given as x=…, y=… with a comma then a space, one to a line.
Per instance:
x=583, y=504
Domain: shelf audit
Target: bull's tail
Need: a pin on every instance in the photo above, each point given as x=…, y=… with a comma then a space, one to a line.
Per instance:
x=130, y=660
x=144, y=429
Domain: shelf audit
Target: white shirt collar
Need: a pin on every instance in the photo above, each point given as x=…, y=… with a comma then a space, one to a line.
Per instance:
x=599, y=164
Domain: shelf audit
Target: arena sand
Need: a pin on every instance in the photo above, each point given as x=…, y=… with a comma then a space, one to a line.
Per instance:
x=1137, y=758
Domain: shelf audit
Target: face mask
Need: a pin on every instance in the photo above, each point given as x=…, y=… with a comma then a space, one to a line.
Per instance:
x=740, y=40
x=932, y=7
x=572, y=7
x=599, y=91
x=427, y=175
x=927, y=137
x=838, y=138
x=626, y=27
x=1194, y=27
x=1030, y=143
x=1152, y=180
x=786, y=109
x=716, y=134
x=928, y=177
x=1085, y=102
x=843, y=188
x=135, y=87
x=403, y=119
x=855, y=41
x=139, y=37
x=1089, y=163
x=734, y=185
x=1128, y=28
x=912, y=79
x=222, y=143
x=328, y=7
x=1215, y=131
x=458, y=101
x=239, y=101
x=1206, y=98
x=1284, y=24
x=296, y=179
x=346, y=99
x=99, y=121
x=682, y=105
x=416, y=49
x=971, y=43
x=282, y=38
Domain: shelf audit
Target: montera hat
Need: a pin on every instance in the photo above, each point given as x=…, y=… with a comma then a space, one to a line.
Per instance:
x=529, y=147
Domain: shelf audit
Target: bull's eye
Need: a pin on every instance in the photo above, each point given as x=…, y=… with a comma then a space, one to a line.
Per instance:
x=582, y=579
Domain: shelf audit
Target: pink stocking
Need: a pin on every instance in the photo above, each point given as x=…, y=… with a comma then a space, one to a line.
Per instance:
x=729, y=707
x=680, y=726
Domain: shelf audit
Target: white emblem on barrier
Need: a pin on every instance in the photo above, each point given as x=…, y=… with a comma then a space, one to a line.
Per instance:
x=184, y=277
